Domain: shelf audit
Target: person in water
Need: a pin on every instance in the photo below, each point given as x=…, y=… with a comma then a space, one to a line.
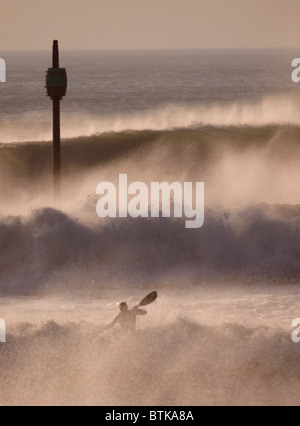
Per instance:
x=126, y=318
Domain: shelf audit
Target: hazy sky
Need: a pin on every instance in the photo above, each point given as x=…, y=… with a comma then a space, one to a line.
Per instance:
x=121, y=24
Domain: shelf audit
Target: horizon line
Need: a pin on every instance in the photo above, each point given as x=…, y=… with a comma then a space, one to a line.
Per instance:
x=148, y=49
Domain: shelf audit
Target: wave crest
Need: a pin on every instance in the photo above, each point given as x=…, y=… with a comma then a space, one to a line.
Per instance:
x=51, y=247
x=281, y=109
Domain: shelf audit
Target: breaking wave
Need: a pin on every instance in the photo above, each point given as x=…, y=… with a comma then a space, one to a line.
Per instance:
x=269, y=110
x=52, y=247
x=252, y=213
x=181, y=363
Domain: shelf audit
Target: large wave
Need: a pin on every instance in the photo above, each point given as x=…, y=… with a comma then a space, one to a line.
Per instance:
x=280, y=109
x=238, y=164
x=251, y=225
x=54, y=251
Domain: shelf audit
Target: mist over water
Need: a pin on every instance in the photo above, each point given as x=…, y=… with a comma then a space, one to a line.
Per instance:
x=269, y=110
x=183, y=363
x=220, y=330
x=251, y=211
x=195, y=348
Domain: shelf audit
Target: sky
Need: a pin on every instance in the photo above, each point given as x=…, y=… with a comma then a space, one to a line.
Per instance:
x=149, y=24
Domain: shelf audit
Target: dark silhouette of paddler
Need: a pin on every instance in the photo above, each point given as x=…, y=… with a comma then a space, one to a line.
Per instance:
x=127, y=317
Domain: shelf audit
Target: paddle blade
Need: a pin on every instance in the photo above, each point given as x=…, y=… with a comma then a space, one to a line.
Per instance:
x=149, y=299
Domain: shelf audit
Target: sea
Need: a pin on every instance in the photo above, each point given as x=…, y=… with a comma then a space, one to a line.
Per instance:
x=220, y=332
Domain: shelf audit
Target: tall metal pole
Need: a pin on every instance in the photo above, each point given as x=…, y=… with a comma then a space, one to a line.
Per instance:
x=56, y=150
x=56, y=132
x=56, y=84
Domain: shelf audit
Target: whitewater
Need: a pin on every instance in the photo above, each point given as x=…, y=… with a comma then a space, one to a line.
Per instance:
x=220, y=331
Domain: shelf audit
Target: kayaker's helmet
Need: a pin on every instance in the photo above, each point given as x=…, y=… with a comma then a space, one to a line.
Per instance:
x=123, y=307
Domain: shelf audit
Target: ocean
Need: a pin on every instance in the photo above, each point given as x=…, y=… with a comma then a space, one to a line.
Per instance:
x=220, y=331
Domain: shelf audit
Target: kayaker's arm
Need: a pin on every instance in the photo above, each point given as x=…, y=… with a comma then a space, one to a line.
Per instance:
x=111, y=325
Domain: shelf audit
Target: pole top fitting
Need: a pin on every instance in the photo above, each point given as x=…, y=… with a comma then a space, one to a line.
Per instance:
x=56, y=78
